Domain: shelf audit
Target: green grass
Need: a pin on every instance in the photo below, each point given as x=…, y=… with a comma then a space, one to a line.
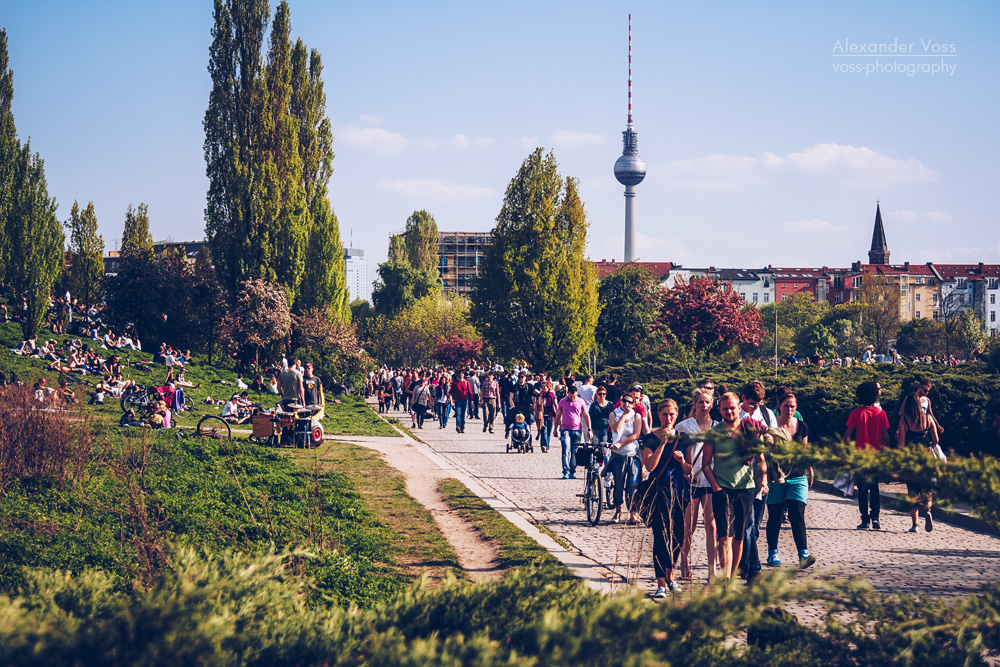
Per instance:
x=349, y=416
x=145, y=494
x=418, y=545
x=515, y=548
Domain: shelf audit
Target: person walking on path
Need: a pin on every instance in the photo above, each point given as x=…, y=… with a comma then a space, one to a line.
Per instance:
x=733, y=474
x=422, y=399
x=789, y=489
x=461, y=394
x=868, y=426
x=626, y=427
x=545, y=413
x=476, y=385
x=443, y=402
x=918, y=429
x=490, y=393
x=701, y=421
x=669, y=465
x=752, y=407
x=571, y=417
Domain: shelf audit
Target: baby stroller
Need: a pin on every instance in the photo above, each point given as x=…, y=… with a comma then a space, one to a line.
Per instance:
x=520, y=438
x=520, y=434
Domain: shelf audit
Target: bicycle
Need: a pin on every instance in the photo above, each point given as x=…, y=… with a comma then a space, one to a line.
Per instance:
x=594, y=496
x=209, y=426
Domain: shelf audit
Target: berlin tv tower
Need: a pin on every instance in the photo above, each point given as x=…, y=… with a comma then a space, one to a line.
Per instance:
x=630, y=169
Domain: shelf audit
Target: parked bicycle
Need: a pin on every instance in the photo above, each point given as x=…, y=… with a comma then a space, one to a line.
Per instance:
x=209, y=426
x=595, y=495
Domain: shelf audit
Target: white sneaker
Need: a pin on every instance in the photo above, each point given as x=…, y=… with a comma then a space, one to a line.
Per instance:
x=674, y=586
x=659, y=594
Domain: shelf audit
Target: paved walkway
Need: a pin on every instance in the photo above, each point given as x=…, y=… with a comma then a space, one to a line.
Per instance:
x=948, y=561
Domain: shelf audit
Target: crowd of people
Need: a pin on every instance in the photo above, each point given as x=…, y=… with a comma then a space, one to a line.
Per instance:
x=664, y=475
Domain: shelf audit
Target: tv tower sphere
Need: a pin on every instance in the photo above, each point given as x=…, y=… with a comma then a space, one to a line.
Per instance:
x=630, y=169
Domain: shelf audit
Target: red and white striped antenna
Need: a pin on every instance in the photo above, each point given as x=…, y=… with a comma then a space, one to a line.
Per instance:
x=630, y=70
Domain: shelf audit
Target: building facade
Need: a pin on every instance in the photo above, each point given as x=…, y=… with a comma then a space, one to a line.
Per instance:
x=975, y=286
x=460, y=254
x=356, y=272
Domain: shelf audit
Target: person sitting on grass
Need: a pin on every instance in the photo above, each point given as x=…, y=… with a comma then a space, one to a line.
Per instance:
x=231, y=411
x=258, y=384
x=181, y=382
x=66, y=394
x=129, y=419
x=43, y=391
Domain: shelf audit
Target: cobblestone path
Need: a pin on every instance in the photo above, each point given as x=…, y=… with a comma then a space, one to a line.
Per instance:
x=948, y=561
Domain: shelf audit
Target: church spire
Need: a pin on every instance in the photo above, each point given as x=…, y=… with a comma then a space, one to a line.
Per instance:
x=879, y=254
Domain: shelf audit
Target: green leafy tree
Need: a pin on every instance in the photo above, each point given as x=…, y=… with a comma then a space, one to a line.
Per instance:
x=921, y=337
x=136, y=239
x=397, y=249
x=256, y=215
x=969, y=335
x=259, y=321
x=400, y=286
x=626, y=328
x=35, y=238
x=9, y=152
x=421, y=239
x=818, y=339
x=849, y=337
x=879, y=297
x=324, y=284
x=536, y=296
x=87, y=249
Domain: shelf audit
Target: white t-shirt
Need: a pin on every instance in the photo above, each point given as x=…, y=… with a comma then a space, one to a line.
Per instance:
x=230, y=409
x=690, y=425
x=627, y=429
x=760, y=417
x=586, y=392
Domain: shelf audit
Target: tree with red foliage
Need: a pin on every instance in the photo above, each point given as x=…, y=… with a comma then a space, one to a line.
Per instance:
x=457, y=350
x=709, y=314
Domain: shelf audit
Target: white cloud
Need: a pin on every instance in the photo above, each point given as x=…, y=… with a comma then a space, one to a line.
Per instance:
x=369, y=119
x=860, y=164
x=574, y=139
x=483, y=142
x=649, y=249
x=459, y=142
x=816, y=225
x=527, y=142
x=425, y=144
x=847, y=164
x=375, y=139
x=911, y=217
x=430, y=189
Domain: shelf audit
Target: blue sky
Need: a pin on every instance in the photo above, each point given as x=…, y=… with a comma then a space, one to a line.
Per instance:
x=759, y=151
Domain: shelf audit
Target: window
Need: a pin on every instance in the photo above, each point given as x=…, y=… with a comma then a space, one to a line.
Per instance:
x=755, y=297
x=743, y=296
x=918, y=281
x=784, y=296
x=836, y=298
x=796, y=285
x=767, y=297
x=993, y=316
x=935, y=315
x=909, y=306
x=856, y=283
x=993, y=297
x=961, y=283
x=934, y=298
x=918, y=314
x=918, y=296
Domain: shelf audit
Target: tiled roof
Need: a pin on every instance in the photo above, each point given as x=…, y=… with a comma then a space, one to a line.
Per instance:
x=968, y=271
x=656, y=269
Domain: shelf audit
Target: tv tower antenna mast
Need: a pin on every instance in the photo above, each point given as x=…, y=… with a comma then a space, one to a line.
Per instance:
x=630, y=169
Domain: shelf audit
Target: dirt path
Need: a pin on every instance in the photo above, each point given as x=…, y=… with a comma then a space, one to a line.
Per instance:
x=477, y=556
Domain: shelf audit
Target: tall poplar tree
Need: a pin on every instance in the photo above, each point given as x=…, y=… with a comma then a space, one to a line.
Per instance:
x=536, y=297
x=87, y=248
x=137, y=242
x=36, y=239
x=324, y=282
x=421, y=237
x=255, y=215
x=9, y=151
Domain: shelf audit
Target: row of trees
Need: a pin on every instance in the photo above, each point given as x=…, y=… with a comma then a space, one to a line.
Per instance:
x=269, y=155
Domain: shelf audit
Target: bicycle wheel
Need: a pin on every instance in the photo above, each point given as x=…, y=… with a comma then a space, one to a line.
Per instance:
x=135, y=401
x=211, y=426
x=592, y=497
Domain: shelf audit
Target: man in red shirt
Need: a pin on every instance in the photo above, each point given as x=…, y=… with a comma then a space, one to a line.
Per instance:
x=868, y=425
x=461, y=392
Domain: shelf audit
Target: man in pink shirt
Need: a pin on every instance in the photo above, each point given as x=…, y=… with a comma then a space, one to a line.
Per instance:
x=571, y=417
x=868, y=425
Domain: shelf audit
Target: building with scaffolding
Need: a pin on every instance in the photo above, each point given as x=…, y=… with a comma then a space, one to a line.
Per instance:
x=460, y=255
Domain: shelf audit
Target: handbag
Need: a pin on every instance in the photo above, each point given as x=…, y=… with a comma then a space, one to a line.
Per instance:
x=844, y=482
x=938, y=453
x=648, y=490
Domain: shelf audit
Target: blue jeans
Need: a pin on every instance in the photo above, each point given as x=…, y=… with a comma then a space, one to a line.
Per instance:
x=546, y=433
x=570, y=439
x=460, y=409
x=443, y=411
x=750, y=561
x=626, y=472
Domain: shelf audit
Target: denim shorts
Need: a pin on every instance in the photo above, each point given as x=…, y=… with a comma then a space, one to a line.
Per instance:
x=794, y=488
